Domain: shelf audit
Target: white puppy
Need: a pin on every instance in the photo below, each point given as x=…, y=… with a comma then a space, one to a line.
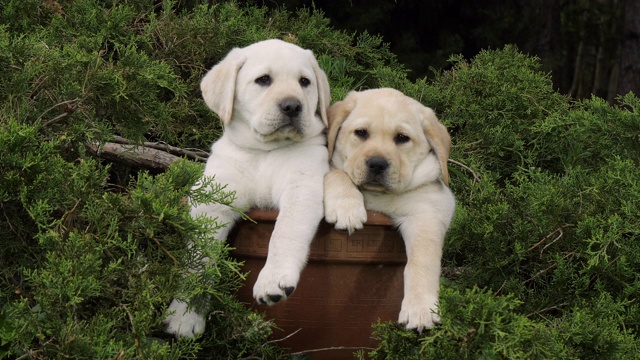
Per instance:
x=389, y=154
x=272, y=98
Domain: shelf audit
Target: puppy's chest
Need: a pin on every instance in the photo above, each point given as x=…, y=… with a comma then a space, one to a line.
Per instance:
x=260, y=177
x=251, y=176
x=380, y=202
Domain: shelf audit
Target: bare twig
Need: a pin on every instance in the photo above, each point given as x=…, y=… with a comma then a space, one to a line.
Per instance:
x=536, y=102
x=55, y=106
x=6, y=217
x=120, y=354
x=550, y=267
x=56, y=119
x=197, y=155
x=133, y=154
x=329, y=349
x=476, y=178
x=175, y=261
x=68, y=111
x=558, y=230
x=284, y=338
x=133, y=323
x=538, y=312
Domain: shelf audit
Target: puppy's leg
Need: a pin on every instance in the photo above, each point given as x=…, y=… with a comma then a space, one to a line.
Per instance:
x=300, y=212
x=343, y=202
x=183, y=320
x=424, y=237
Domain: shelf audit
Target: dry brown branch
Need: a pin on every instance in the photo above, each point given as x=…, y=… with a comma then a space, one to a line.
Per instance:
x=558, y=230
x=550, y=267
x=284, y=338
x=56, y=119
x=133, y=155
x=68, y=110
x=330, y=348
x=476, y=178
x=501, y=287
x=197, y=155
x=539, y=312
x=175, y=261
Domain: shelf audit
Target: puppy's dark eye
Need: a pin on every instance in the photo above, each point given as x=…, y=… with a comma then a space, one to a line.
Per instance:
x=304, y=82
x=401, y=139
x=264, y=80
x=362, y=134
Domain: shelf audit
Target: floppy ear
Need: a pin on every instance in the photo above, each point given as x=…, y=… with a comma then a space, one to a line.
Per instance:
x=219, y=84
x=337, y=114
x=439, y=139
x=324, y=95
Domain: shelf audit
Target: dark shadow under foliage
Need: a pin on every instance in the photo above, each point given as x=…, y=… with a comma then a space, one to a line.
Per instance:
x=545, y=240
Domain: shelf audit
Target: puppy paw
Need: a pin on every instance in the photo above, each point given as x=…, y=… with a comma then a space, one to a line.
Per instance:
x=346, y=213
x=182, y=321
x=419, y=314
x=275, y=283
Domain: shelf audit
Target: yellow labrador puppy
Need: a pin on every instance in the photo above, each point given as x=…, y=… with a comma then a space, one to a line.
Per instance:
x=272, y=98
x=389, y=154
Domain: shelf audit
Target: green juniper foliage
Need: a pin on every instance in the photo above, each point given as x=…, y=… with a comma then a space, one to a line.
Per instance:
x=547, y=220
x=544, y=246
x=93, y=251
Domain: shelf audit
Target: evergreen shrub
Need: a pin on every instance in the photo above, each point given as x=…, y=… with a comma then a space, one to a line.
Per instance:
x=542, y=258
x=547, y=220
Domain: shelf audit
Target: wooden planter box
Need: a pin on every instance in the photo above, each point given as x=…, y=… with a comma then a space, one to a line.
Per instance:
x=350, y=283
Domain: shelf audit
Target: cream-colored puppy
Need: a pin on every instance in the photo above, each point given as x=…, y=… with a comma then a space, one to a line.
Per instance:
x=389, y=154
x=272, y=98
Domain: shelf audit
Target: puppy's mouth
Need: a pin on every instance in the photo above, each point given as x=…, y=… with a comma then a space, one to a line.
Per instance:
x=375, y=182
x=373, y=187
x=292, y=127
x=285, y=129
x=377, y=169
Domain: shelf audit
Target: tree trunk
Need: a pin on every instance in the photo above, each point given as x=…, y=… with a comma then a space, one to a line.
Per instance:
x=549, y=39
x=575, y=89
x=629, y=79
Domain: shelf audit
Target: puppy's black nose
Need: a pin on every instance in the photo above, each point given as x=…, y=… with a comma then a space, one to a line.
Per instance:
x=291, y=107
x=377, y=165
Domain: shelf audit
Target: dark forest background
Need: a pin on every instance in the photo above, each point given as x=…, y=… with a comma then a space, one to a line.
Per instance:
x=591, y=47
